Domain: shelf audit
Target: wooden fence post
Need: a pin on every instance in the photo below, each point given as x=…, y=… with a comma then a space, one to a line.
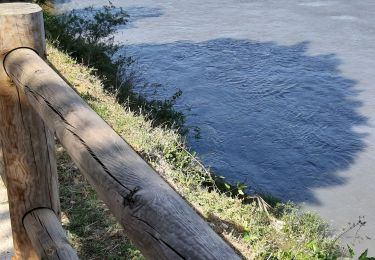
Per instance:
x=27, y=144
x=2, y=173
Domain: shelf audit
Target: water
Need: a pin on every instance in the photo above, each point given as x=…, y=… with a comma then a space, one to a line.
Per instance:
x=282, y=93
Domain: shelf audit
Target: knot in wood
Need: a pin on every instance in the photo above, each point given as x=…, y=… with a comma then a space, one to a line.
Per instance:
x=129, y=199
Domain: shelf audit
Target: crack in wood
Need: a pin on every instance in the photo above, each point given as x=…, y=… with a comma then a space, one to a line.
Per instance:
x=36, y=94
x=128, y=200
x=166, y=244
x=61, y=116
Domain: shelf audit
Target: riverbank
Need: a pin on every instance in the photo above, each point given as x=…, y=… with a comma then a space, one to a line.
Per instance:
x=284, y=232
x=279, y=104
x=281, y=232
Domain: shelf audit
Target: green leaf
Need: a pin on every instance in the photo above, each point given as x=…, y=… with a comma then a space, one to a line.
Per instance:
x=249, y=237
x=364, y=256
x=351, y=251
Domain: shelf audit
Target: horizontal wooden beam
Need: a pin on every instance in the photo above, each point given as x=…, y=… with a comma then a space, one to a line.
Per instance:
x=47, y=235
x=157, y=220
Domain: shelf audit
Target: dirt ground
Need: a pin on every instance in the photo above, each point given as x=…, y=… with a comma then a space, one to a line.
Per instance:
x=6, y=245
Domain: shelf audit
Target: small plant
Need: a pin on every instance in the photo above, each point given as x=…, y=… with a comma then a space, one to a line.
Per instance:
x=364, y=256
x=94, y=25
x=88, y=36
x=359, y=224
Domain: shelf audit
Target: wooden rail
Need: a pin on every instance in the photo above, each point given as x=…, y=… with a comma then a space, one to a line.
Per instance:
x=157, y=220
x=47, y=236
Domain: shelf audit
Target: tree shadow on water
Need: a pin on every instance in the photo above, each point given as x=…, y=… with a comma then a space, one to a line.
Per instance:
x=271, y=115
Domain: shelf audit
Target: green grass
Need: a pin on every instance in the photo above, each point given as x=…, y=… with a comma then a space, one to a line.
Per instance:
x=285, y=232
x=91, y=229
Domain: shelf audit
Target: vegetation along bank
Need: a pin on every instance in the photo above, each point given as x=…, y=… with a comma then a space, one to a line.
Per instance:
x=81, y=50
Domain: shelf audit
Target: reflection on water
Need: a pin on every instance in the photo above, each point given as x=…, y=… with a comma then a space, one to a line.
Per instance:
x=269, y=115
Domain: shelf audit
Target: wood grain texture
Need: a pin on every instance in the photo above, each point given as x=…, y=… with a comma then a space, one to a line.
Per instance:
x=26, y=143
x=11, y=28
x=29, y=162
x=47, y=235
x=21, y=26
x=158, y=221
x=2, y=171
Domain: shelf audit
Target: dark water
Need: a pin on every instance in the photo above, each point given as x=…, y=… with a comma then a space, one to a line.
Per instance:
x=268, y=115
x=282, y=93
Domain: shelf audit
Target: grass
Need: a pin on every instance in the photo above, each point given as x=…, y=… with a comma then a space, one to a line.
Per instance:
x=285, y=232
x=91, y=229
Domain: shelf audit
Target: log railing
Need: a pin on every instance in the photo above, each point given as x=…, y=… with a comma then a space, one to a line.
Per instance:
x=35, y=105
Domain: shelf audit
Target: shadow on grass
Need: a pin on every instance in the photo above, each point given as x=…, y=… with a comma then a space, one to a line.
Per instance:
x=91, y=228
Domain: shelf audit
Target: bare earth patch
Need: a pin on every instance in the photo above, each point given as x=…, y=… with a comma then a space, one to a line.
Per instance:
x=6, y=245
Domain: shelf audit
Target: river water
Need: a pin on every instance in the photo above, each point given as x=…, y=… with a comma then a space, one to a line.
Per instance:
x=281, y=94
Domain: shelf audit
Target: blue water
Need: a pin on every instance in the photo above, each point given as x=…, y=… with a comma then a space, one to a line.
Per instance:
x=267, y=114
x=277, y=94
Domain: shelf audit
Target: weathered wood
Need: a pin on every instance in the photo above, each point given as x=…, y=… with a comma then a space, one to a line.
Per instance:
x=2, y=171
x=27, y=144
x=158, y=221
x=47, y=235
x=21, y=26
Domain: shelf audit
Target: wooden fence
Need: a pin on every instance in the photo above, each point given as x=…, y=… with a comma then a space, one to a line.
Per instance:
x=36, y=105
